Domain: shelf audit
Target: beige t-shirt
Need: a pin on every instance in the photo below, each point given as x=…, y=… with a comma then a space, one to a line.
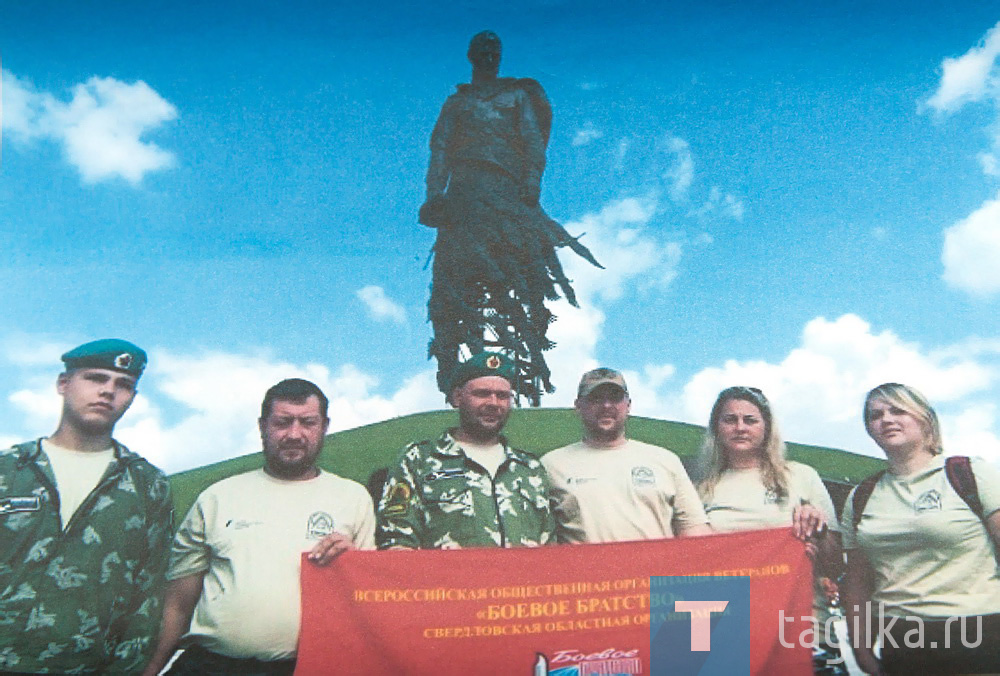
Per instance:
x=932, y=556
x=740, y=501
x=77, y=474
x=636, y=491
x=247, y=533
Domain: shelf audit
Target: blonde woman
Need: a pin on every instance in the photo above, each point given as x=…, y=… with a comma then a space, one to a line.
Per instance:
x=921, y=547
x=748, y=484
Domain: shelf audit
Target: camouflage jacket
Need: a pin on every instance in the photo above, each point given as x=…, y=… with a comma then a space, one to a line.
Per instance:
x=437, y=497
x=84, y=599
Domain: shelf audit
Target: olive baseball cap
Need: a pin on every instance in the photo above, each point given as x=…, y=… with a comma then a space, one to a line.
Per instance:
x=591, y=380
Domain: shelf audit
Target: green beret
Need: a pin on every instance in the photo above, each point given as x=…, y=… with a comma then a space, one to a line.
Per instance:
x=483, y=364
x=109, y=353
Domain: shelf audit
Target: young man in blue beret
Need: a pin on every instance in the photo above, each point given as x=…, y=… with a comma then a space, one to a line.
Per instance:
x=468, y=488
x=85, y=529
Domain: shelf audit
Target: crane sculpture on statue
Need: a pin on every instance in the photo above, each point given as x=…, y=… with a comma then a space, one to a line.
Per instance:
x=495, y=261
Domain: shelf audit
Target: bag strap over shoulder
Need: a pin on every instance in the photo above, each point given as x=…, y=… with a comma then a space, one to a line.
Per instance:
x=960, y=476
x=861, y=495
x=957, y=468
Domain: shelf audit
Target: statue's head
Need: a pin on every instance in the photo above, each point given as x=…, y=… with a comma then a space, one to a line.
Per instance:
x=484, y=51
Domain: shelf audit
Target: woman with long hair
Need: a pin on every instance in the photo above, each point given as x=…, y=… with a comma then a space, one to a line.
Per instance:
x=748, y=484
x=921, y=540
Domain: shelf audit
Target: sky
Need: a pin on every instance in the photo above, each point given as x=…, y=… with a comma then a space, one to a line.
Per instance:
x=800, y=198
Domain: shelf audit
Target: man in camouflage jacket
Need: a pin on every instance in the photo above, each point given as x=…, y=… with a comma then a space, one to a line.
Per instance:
x=80, y=591
x=469, y=488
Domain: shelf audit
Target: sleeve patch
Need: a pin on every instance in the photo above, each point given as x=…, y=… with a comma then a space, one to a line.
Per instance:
x=397, y=502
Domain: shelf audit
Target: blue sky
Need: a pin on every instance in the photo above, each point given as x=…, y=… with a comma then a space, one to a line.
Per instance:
x=799, y=198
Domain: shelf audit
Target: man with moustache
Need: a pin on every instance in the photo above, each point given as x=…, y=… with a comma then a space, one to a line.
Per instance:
x=468, y=488
x=234, y=570
x=85, y=527
x=609, y=488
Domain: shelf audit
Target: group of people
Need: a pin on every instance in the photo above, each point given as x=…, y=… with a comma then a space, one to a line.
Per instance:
x=93, y=578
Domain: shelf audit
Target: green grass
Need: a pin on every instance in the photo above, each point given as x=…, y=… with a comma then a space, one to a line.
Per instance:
x=357, y=452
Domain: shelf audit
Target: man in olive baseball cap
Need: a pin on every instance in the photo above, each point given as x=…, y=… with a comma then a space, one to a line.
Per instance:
x=609, y=488
x=94, y=524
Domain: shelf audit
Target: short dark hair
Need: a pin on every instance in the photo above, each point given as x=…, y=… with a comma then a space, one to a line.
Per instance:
x=293, y=389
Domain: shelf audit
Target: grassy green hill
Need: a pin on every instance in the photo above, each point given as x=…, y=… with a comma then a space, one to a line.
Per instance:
x=357, y=452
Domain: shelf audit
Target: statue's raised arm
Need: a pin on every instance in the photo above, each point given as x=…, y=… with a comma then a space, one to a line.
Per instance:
x=495, y=262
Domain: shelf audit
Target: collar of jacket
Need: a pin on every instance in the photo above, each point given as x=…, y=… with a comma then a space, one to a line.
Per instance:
x=446, y=445
x=30, y=450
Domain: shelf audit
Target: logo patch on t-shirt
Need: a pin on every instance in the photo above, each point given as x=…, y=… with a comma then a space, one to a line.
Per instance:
x=931, y=500
x=643, y=476
x=320, y=525
x=241, y=524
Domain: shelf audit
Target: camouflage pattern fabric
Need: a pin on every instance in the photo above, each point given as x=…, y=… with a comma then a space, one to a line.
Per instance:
x=86, y=599
x=437, y=498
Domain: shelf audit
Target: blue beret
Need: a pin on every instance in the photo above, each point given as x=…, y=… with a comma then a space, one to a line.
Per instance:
x=484, y=364
x=108, y=353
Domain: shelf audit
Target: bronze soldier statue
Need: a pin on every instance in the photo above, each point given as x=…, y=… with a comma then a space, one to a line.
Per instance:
x=495, y=259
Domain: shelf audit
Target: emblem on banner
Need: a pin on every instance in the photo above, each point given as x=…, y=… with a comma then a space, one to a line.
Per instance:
x=612, y=662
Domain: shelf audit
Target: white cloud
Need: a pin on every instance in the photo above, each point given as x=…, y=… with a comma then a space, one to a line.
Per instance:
x=219, y=395
x=970, y=77
x=100, y=128
x=22, y=106
x=972, y=249
x=587, y=133
x=972, y=245
x=621, y=151
x=25, y=350
x=989, y=164
x=972, y=431
x=680, y=175
x=193, y=410
x=817, y=390
x=197, y=409
x=718, y=202
x=380, y=306
x=635, y=257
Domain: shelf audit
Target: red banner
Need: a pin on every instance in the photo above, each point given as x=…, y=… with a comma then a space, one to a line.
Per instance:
x=536, y=611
